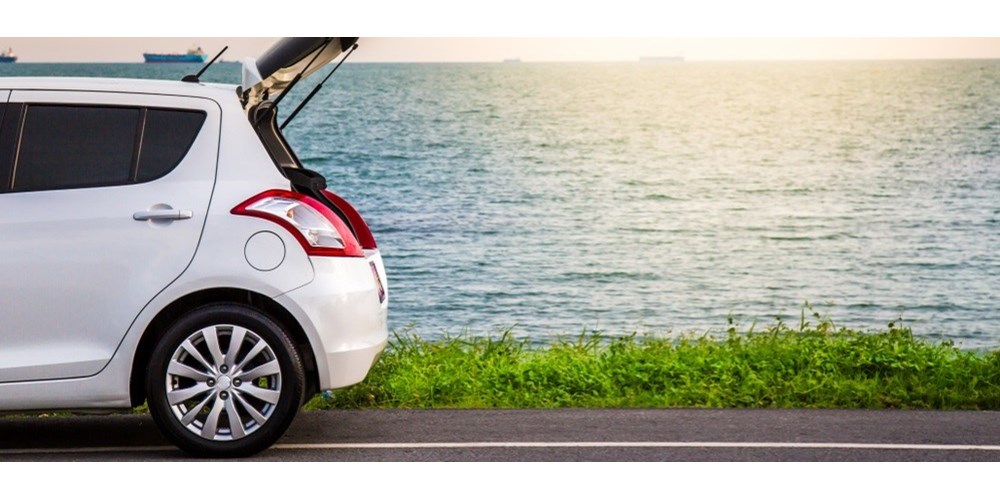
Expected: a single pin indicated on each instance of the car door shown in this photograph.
(103, 198)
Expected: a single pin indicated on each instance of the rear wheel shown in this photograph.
(224, 381)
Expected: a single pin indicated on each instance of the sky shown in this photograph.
(526, 49)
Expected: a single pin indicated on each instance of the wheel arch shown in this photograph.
(164, 318)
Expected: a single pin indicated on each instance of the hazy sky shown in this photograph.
(527, 49)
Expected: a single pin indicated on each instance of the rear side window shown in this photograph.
(167, 137)
(65, 147)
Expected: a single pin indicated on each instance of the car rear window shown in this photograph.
(66, 146)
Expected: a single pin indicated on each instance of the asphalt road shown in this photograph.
(545, 435)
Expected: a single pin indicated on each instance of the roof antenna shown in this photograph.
(194, 78)
(316, 89)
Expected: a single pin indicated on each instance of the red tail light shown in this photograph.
(361, 228)
(316, 227)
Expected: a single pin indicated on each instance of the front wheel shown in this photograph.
(224, 381)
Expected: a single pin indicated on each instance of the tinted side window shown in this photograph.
(75, 146)
(167, 137)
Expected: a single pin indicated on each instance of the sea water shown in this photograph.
(566, 197)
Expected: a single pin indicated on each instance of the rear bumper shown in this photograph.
(343, 317)
(351, 367)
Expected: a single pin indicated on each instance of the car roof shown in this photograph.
(213, 91)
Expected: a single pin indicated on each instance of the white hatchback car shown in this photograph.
(161, 242)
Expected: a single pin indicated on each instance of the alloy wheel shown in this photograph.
(223, 382)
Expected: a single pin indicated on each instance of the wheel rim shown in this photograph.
(223, 382)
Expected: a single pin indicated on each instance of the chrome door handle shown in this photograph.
(163, 214)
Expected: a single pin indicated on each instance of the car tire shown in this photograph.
(215, 402)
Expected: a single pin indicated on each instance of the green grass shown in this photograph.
(810, 366)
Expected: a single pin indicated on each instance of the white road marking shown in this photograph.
(539, 444)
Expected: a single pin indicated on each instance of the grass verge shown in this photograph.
(819, 366)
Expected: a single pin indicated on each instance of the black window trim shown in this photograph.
(9, 132)
(5, 154)
(24, 108)
(133, 174)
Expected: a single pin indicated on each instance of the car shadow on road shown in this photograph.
(72, 432)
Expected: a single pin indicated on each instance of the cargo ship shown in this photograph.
(8, 56)
(194, 55)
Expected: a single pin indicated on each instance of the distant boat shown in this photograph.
(661, 59)
(194, 55)
(514, 60)
(8, 56)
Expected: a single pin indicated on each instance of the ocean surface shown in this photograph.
(664, 198)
